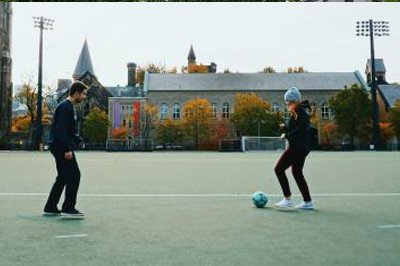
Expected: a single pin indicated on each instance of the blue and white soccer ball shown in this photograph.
(260, 199)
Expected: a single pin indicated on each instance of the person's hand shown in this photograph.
(68, 155)
(283, 136)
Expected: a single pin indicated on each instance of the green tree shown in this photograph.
(170, 131)
(253, 116)
(394, 119)
(351, 109)
(96, 125)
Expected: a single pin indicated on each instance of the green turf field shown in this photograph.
(195, 209)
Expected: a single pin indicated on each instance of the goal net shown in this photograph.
(250, 143)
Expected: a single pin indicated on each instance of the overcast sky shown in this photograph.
(244, 37)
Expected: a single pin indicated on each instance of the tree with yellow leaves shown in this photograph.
(151, 112)
(253, 116)
(197, 118)
(394, 119)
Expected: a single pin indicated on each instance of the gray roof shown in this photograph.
(253, 81)
(84, 63)
(391, 93)
(379, 65)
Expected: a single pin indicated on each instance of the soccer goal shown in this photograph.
(251, 143)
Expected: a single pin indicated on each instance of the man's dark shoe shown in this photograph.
(74, 213)
(51, 212)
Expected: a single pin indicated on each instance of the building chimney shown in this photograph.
(131, 74)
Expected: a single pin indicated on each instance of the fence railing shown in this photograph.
(129, 145)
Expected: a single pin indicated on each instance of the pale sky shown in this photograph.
(244, 37)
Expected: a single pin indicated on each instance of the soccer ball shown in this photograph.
(260, 199)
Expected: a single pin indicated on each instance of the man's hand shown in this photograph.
(68, 155)
(283, 136)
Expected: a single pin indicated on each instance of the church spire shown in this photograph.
(84, 63)
(191, 57)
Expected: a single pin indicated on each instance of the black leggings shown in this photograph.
(68, 176)
(295, 159)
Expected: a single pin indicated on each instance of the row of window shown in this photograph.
(176, 110)
(127, 109)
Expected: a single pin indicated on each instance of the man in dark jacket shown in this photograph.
(63, 138)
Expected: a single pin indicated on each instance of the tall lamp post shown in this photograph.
(370, 28)
(43, 24)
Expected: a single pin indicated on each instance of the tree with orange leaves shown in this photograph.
(198, 68)
(387, 132)
(119, 133)
(394, 118)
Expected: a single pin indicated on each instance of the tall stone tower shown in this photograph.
(191, 56)
(5, 68)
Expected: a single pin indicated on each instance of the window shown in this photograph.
(313, 106)
(176, 111)
(275, 107)
(325, 111)
(286, 114)
(225, 110)
(215, 110)
(164, 111)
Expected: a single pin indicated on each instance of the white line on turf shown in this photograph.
(72, 236)
(210, 195)
(389, 226)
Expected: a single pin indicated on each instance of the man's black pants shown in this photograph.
(295, 159)
(68, 176)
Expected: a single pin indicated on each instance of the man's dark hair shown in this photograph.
(77, 86)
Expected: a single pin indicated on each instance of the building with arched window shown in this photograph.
(169, 92)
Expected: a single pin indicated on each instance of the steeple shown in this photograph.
(84, 63)
(191, 57)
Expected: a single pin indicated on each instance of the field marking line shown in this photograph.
(71, 236)
(21, 194)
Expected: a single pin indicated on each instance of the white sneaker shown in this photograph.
(309, 205)
(284, 203)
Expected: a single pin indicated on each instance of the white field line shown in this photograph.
(72, 236)
(389, 226)
(15, 194)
